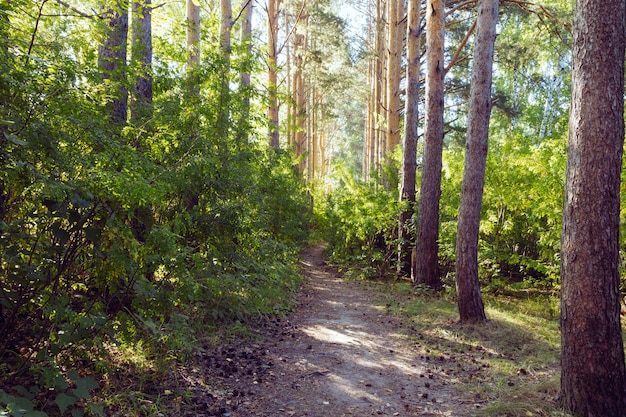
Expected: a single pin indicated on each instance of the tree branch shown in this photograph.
(75, 10)
(455, 57)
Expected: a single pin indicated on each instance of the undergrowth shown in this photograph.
(508, 366)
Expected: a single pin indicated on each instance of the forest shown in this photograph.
(164, 164)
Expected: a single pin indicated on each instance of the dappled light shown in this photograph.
(294, 208)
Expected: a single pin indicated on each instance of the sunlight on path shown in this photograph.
(346, 358)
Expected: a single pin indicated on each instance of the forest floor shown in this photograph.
(340, 353)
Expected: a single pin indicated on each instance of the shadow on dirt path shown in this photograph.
(336, 355)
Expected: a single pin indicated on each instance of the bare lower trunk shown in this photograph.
(426, 268)
(407, 186)
(468, 289)
(593, 376)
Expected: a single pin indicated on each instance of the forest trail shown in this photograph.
(336, 355)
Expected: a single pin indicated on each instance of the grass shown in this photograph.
(508, 366)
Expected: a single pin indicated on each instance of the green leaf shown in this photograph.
(96, 409)
(64, 401)
(61, 235)
(93, 234)
(60, 383)
(74, 216)
(23, 392)
(83, 385)
(13, 139)
(20, 406)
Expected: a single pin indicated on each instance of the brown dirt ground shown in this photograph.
(337, 354)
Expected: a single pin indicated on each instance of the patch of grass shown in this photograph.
(508, 366)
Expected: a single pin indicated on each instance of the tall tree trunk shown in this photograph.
(300, 99)
(411, 121)
(193, 44)
(112, 60)
(245, 77)
(225, 44)
(367, 129)
(273, 7)
(141, 40)
(469, 299)
(4, 51)
(381, 96)
(593, 376)
(394, 47)
(225, 27)
(426, 265)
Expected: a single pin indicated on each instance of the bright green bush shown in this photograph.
(135, 234)
(359, 222)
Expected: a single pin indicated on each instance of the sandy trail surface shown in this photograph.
(338, 355)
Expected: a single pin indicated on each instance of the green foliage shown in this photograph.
(142, 234)
(358, 220)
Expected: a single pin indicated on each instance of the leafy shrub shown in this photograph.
(359, 221)
(128, 235)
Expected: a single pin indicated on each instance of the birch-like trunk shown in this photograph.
(193, 44)
(272, 71)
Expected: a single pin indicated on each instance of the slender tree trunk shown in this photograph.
(112, 60)
(301, 102)
(245, 77)
(593, 376)
(411, 121)
(193, 44)
(394, 47)
(426, 266)
(246, 40)
(367, 129)
(272, 39)
(225, 27)
(381, 71)
(468, 289)
(141, 40)
(225, 44)
(4, 51)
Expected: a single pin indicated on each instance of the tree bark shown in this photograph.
(426, 267)
(394, 47)
(272, 75)
(246, 39)
(593, 376)
(469, 299)
(245, 77)
(409, 153)
(225, 27)
(141, 40)
(300, 99)
(112, 60)
(223, 116)
(193, 44)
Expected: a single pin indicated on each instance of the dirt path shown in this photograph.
(337, 355)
